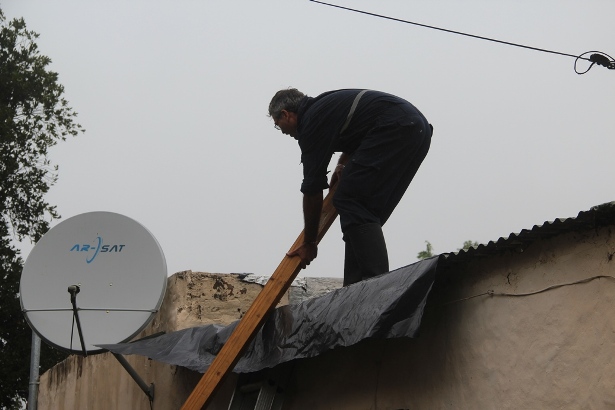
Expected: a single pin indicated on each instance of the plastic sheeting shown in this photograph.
(388, 306)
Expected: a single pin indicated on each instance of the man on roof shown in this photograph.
(383, 140)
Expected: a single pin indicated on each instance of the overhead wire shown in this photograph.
(596, 58)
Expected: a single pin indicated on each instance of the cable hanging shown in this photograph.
(491, 292)
(597, 57)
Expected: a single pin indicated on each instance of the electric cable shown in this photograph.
(492, 293)
(597, 58)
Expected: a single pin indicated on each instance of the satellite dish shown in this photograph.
(95, 278)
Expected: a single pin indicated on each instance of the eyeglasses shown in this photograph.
(275, 121)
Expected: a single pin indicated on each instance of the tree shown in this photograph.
(427, 253)
(34, 116)
(468, 244)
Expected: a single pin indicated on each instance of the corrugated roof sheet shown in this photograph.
(595, 217)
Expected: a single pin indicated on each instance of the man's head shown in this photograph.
(283, 109)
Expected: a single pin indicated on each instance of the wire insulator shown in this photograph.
(598, 57)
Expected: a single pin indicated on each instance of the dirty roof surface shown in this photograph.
(595, 217)
(388, 306)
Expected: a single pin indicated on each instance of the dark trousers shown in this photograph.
(371, 186)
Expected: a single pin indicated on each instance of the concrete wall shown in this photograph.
(549, 350)
(99, 382)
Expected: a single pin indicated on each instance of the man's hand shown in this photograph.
(337, 174)
(307, 252)
(339, 168)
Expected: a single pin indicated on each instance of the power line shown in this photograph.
(596, 58)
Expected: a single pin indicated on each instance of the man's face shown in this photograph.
(287, 123)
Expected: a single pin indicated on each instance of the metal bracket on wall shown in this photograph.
(148, 390)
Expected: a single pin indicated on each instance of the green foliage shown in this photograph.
(468, 244)
(427, 253)
(33, 117)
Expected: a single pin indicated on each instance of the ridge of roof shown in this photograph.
(596, 217)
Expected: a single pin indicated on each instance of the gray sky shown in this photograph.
(174, 96)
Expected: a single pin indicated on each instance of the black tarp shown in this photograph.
(388, 306)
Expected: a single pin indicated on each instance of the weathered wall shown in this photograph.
(549, 350)
(99, 382)
(545, 350)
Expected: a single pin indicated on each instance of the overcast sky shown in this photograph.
(174, 94)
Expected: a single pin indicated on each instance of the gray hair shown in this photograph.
(288, 100)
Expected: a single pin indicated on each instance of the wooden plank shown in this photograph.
(254, 318)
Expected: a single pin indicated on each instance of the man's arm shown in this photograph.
(312, 207)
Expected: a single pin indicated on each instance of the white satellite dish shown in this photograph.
(95, 278)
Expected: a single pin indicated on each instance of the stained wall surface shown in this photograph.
(518, 330)
(551, 346)
(99, 382)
